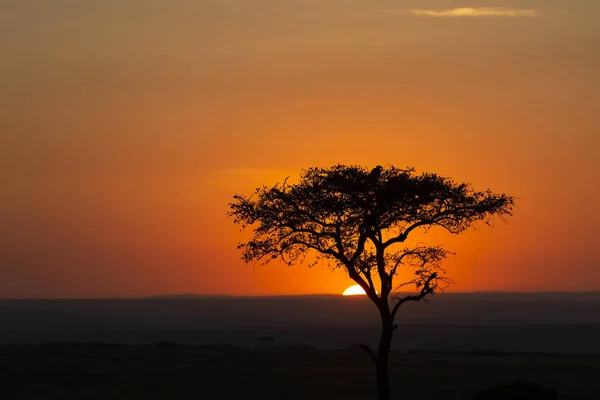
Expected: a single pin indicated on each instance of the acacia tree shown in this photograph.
(358, 220)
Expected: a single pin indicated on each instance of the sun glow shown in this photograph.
(355, 290)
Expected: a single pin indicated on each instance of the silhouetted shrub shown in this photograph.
(167, 345)
(267, 340)
(517, 391)
(302, 347)
(224, 346)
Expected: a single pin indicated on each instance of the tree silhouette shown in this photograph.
(357, 219)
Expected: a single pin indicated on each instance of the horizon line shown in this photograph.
(195, 295)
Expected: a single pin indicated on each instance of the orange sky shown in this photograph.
(127, 125)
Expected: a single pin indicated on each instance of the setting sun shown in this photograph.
(355, 290)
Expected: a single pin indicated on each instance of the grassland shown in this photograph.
(102, 371)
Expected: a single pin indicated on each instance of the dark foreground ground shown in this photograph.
(96, 371)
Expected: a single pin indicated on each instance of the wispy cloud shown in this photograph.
(474, 12)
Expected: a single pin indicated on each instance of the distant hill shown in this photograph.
(553, 322)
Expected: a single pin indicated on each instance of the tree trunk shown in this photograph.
(383, 355)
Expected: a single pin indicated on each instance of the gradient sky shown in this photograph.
(127, 125)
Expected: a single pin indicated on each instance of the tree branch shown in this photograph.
(367, 273)
(402, 237)
(370, 352)
(426, 290)
(386, 280)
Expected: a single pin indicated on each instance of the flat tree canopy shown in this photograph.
(352, 217)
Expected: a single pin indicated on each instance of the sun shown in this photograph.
(355, 290)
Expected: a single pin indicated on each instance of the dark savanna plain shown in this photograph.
(296, 347)
(127, 126)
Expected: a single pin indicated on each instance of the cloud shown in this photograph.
(474, 12)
